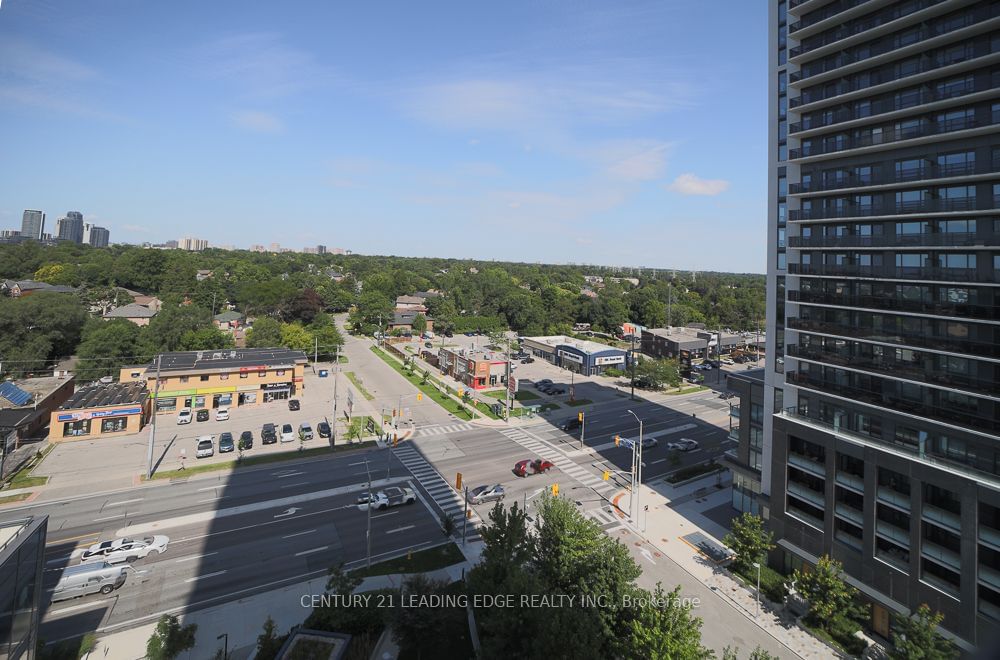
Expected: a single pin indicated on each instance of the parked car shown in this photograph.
(484, 494)
(557, 390)
(246, 441)
(684, 444)
(125, 549)
(206, 447)
(393, 496)
(202, 415)
(226, 443)
(287, 433)
(293, 404)
(542, 382)
(184, 416)
(532, 466)
(305, 431)
(427, 344)
(449, 333)
(268, 434)
(727, 361)
(222, 414)
(727, 395)
(470, 334)
(323, 429)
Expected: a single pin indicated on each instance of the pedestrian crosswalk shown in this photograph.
(604, 517)
(441, 429)
(444, 496)
(543, 450)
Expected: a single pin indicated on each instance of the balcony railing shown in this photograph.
(895, 369)
(823, 13)
(734, 412)
(807, 494)
(813, 68)
(985, 312)
(889, 135)
(896, 499)
(893, 533)
(734, 433)
(931, 273)
(989, 576)
(876, 394)
(911, 175)
(989, 536)
(814, 468)
(881, 18)
(953, 239)
(941, 555)
(983, 348)
(850, 481)
(850, 514)
(942, 517)
(901, 208)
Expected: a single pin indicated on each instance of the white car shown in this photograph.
(184, 416)
(206, 447)
(222, 415)
(125, 549)
(393, 496)
(684, 444)
(287, 434)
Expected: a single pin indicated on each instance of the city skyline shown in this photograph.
(549, 134)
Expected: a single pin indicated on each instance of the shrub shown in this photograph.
(614, 373)
(842, 631)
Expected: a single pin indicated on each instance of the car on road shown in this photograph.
(125, 549)
(323, 429)
(449, 333)
(88, 578)
(527, 360)
(649, 443)
(293, 404)
(206, 447)
(222, 414)
(532, 466)
(727, 361)
(287, 434)
(571, 424)
(246, 441)
(556, 390)
(305, 431)
(727, 395)
(184, 416)
(226, 443)
(483, 494)
(684, 444)
(393, 496)
(202, 415)
(427, 344)
(268, 435)
(543, 382)
(470, 334)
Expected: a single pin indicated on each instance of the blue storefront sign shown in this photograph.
(117, 412)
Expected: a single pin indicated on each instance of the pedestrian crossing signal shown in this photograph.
(606, 475)
(393, 412)
(395, 439)
(579, 417)
(618, 441)
(458, 481)
(555, 490)
(420, 396)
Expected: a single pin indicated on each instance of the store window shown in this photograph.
(280, 372)
(184, 379)
(199, 401)
(114, 424)
(223, 376)
(166, 405)
(204, 378)
(244, 374)
(77, 428)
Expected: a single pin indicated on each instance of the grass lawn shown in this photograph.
(422, 561)
(351, 376)
(484, 409)
(23, 479)
(579, 402)
(249, 461)
(427, 388)
(20, 497)
(343, 359)
(522, 395)
(687, 390)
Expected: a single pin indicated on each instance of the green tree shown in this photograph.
(106, 347)
(265, 333)
(656, 374)
(664, 628)
(170, 639)
(749, 540)
(305, 306)
(326, 334)
(205, 339)
(269, 641)
(38, 329)
(58, 274)
(826, 591)
(916, 637)
(421, 630)
(757, 654)
(166, 330)
(296, 337)
(419, 323)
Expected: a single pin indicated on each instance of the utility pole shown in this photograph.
(152, 431)
(583, 427)
(507, 397)
(213, 304)
(632, 359)
(315, 350)
(637, 467)
(670, 295)
(368, 534)
(465, 523)
(333, 427)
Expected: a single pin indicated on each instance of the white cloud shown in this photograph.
(633, 160)
(689, 184)
(259, 122)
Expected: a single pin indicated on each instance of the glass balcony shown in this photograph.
(989, 576)
(939, 516)
(814, 468)
(985, 312)
(896, 272)
(734, 412)
(823, 13)
(955, 239)
(807, 494)
(986, 608)
(898, 500)
(804, 515)
(893, 533)
(876, 210)
(734, 433)
(942, 555)
(850, 514)
(984, 348)
(891, 134)
(990, 537)
(851, 481)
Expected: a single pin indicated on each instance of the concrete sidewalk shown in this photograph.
(243, 620)
(675, 513)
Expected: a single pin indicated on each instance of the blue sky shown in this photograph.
(619, 133)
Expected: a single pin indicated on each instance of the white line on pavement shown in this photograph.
(107, 518)
(193, 557)
(300, 483)
(309, 552)
(290, 474)
(200, 490)
(400, 529)
(299, 534)
(383, 515)
(138, 499)
(82, 606)
(212, 499)
(202, 577)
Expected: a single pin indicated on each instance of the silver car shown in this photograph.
(684, 444)
(484, 494)
(125, 549)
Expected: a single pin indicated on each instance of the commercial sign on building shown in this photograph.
(98, 414)
(610, 359)
(572, 357)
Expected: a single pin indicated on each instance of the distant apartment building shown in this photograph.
(171, 245)
(881, 438)
(275, 247)
(95, 236)
(192, 244)
(257, 248)
(32, 224)
(70, 227)
(10, 234)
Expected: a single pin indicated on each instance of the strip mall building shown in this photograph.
(210, 379)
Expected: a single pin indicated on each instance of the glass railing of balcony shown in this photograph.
(954, 239)
(984, 348)
(988, 609)
(893, 533)
(887, 15)
(979, 47)
(873, 394)
(851, 481)
(734, 433)
(891, 134)
(809, 465)
(941, 517)
(989, 576)
(898, 500)
(804, 515)
(895, 272)
(850, 514)
(823, 13)
(900, 208)
(940, 554)
(989, 536)
(807, 494)
(911, 175)
(848, 539)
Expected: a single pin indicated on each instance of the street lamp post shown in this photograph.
(225, 645)
(638, 485)
(757, 612)
(368, 534)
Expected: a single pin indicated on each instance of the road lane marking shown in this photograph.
(202, 577)
(193, 557)
(213, 499)
(309, 552)
(201, 490)
(301, 483)
(400, 529)
(659, 460)
(290, 474)
(107, 518)
(298, 534)
(82, 606)
(383, 515)
(139, 499)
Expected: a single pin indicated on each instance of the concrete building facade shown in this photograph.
(33, 224)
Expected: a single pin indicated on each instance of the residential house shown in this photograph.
(25, 405)
(138, 314)
(22, 288)
(228, 320)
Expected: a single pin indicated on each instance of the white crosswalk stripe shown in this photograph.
(559, 460)
(444, 496)
(441, 430)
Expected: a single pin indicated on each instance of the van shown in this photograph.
(87, 579)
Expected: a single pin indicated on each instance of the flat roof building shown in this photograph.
(100, 410)
(578, 355)
(476, 369)
(25, 405)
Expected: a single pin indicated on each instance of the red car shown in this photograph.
(536, 466)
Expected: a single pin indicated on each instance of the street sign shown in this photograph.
(512, 385)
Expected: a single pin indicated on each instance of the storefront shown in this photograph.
(277, 391)
(579, 356)
(101, 410)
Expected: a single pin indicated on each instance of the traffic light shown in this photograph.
(618, 441)
(606, 475)
(420, 396)
(458, 481)
(395, 439)
(555, 490)
(579, 416)
(393, 412)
